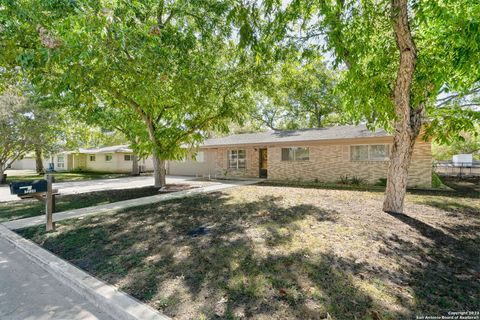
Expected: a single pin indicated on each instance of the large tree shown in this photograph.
(398, 58)
(299, 94)
(15, 117)
(170, 65)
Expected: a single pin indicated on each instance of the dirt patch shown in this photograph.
(284, 253)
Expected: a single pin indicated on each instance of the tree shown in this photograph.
(397, 58)
(170, 65)
(300, 94)
(14, 126)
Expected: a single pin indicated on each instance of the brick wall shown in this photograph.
(252, 163)
(328, 162)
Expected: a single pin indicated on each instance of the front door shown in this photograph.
(263, 163)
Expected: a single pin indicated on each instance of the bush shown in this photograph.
(354, 181)
(436, 181)
(382, 182)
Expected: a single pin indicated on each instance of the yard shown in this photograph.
(23, 175)
(26, 208)
(273, 252)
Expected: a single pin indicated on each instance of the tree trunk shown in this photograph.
(135, 168)
(39, 161)
(159, 171)
(406, 130)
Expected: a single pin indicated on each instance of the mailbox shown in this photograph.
(28, 187)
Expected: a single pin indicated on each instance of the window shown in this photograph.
(108, 157)
(374, 152)
(92, 157)
(200, 156)
(295, 154)
(127, 157)
(60, 162)
(236, 159)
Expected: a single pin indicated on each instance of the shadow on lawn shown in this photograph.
(242, 266)
(222, 273)
(441, 268)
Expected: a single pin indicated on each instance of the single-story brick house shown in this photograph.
(324, 154)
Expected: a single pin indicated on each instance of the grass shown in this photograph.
(31, 207)
(276, 252)
(68, 176)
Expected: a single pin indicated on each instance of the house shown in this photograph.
(115, 159)
(28, 162)
(324, 154)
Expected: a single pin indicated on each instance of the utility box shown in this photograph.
(462, 160)
(28, 187)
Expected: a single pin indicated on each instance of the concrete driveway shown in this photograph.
(104, 184)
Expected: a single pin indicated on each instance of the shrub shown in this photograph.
(357, 181)
(344, 180)
(436, 181)
(354, 181)
(382, 182)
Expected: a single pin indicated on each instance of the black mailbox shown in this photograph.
(28, 187)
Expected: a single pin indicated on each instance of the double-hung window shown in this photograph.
(295, 154)
(60, 161)
(237, 159)
(127, 157)
(108, 157)
(373, 152)
(92, 157)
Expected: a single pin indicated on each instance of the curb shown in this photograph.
(111, 300)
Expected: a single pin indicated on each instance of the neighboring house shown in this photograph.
(115, 159)
(325, 154)
(28, 162)
(108, 159)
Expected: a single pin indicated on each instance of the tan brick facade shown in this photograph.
(328, 162)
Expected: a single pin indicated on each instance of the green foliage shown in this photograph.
(436, 181)
(354, 180)
(15, 119)
(161, 72)
(299, 94)
(465, 143)
(382, 182)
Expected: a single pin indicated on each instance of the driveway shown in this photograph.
(29, 292)
(74, 187)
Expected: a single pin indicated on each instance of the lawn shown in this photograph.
(272, 252)
(26, 208)
(66, 176)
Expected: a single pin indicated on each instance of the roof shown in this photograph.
(111, 149)
(330, 133)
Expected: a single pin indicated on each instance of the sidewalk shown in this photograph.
(29, 292)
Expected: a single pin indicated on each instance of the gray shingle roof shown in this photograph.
(111, 149)
(330, 133)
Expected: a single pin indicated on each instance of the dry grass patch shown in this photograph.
(267, 252)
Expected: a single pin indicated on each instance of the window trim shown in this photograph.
(294, 154)
(237, 167)
(127, 155)
(90, 156)
(368, 152)
(202, 160)
(111, 157)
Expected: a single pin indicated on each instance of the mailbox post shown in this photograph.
(41, 190)
(49, 205)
